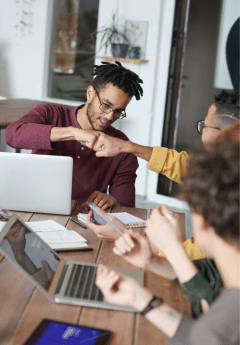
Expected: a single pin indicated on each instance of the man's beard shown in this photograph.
(89, 112)
(89, 116)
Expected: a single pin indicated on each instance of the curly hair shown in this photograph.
(123, 78)
(210, 185)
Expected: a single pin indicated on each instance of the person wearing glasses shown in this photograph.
(222, 113)
(210, 185)
(53, 129)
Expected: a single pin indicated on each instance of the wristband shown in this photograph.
(155, 302)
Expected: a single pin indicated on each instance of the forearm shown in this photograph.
(163, 317)
(143, 152)
(183, 266)
(62, 133)
(26, 263)
(161, 267)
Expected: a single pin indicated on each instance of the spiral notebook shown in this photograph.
(128, 219)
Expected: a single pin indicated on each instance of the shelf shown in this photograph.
(121, 59)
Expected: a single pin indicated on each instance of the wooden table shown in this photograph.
(23, 306)
(12, 109)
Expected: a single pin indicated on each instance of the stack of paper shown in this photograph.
(57, 236)
(128, 219)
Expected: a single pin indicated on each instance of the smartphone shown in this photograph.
(100, 218)
(51, 332)
(97, 217)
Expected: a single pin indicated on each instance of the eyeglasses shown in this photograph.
(117, 114)
(200, 125)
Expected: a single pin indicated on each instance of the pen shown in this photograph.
(88, 249)
(110, 210)
(114, 226)
(77, 222)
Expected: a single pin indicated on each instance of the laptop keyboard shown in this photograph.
(82, 283)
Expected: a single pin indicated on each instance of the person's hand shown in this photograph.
(107, 146)
(102, 200)
(204, 305)
(47, 269)
(86, 137)
(134, 248)
(163, 229)
(122, 290)
(16, 239)
(106, 232)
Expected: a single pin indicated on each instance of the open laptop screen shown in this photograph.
(31, 253)
(36, 183)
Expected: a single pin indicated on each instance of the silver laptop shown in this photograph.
(70, 282)
(35, 183)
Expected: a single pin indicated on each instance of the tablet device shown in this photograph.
(51, 332)
(100, 219)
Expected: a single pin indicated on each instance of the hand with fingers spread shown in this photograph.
(122, 290)
(106, 232)
(102, 200)
(163, 229)
(134, 248)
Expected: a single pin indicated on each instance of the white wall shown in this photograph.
(230, 13)
(25, 59)
(145, 117)
(23, 52)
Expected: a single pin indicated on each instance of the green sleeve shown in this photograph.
(206, 284)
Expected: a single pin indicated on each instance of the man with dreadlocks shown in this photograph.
(53, 129)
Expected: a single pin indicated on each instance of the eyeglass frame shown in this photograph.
(122, 115)
(204, 126)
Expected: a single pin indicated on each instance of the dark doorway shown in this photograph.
(197, 82)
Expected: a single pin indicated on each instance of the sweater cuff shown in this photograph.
(197, 286)
(157, 160)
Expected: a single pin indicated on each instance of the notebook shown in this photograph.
(35, 183)
(128, 219)
(70, 282)
(57, 236)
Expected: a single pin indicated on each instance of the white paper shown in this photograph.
(68, 245)
(46, 225)
(2, 224)
(128, 219)
(82, 217)
(61, 237)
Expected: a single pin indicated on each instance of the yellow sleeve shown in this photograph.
(168, 162)
(191, 249)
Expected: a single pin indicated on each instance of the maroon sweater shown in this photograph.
(90, 173)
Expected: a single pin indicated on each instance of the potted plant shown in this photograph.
(113, 36)
(134, 52)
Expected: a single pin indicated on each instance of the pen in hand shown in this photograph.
(79, 223)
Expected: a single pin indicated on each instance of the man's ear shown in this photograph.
(90, 93)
